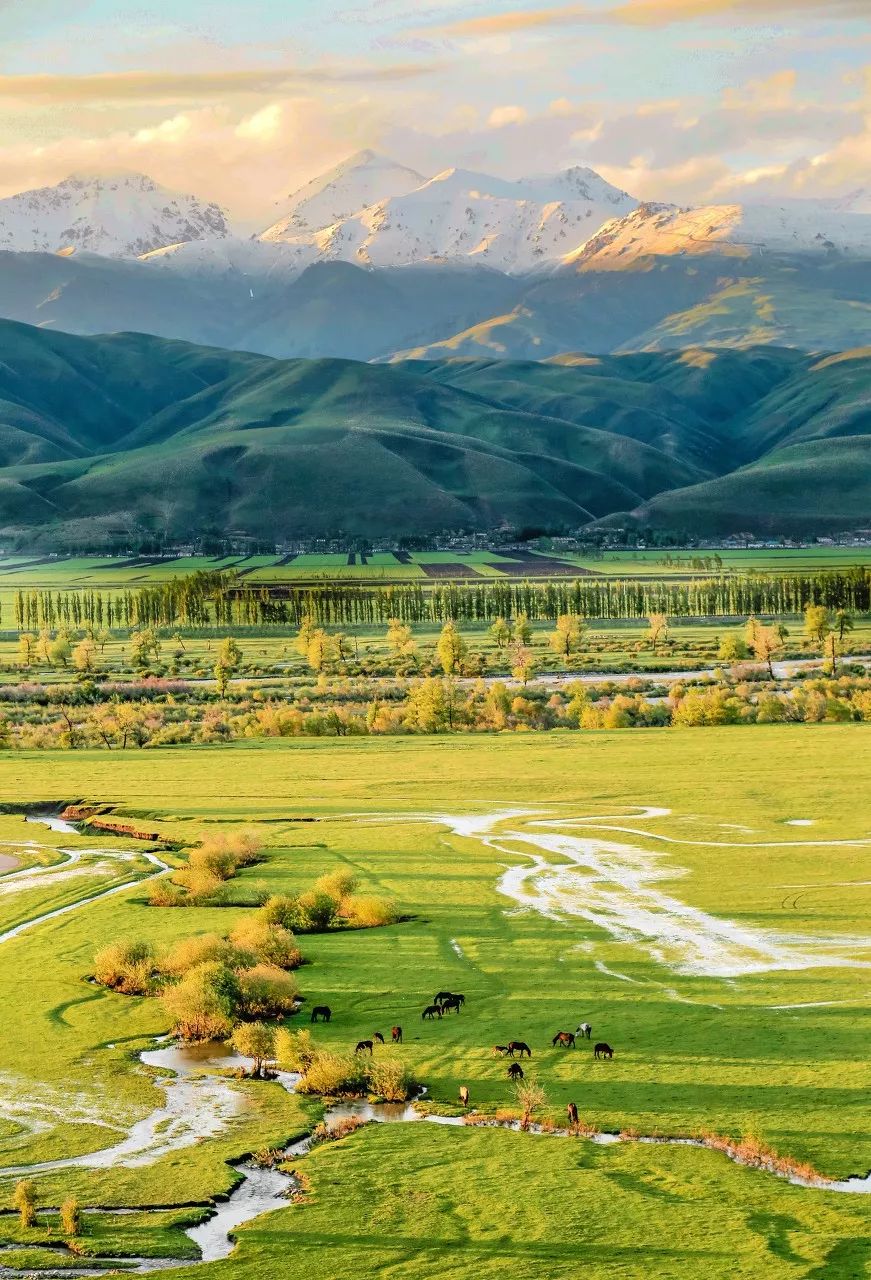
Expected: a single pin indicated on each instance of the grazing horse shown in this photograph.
(519, 1046)
(322, 1011)
(565, 1039)
(431, 1011)
(603, 1051)
(464, 1094)
(572, 1113)
(378, 1036)
(363, 1045)
(452, 1002)
(441, 996)
(515, 1071)
(584, 1030)
(396, 1035)
(501, 1049)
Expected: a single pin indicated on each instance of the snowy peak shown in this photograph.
(118, 215)
(738, 230)
(458, 216)
(362, 180)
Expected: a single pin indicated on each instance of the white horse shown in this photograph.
(584, 1030)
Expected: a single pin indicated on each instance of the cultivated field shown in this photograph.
(701, 899)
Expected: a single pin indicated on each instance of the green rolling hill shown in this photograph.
(110, 438)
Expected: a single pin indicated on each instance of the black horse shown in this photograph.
(452, 1002)
(378, 1036)
(519, 1046)
(322, 1011)
(603, 1050)
(431, 1011)
(363, 1045)
(515, 1071)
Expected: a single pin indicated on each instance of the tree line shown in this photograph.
(206, 599)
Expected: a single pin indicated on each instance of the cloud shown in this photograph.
(501, 116)
(659, 13)
(166, 87)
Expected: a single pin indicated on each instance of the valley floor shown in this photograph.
(702, 899)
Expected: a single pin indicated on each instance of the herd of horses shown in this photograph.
(444, 1002)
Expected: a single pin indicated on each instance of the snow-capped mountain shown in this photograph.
(791, 226)
(361, 180)
(117, 215)
(460, 216)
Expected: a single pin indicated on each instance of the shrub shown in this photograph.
(391, 1080)
(187, 953)
(331, 1073)
(366, 911)
(166, 894)
(205, 1003)
(266, 992)
(317, 911)
(254, 1040)
(270, 943)
(336, 884)
(70, 1217)
(24, 1200)
(280, 909)
(332, 1133)
(125, 966)
(294, 1049)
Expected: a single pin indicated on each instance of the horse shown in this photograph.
(430, 1011)
(603, 1051)
(584, 1030)
(501, 1049)
(441, 996)
(363, 1045)
(452, 1002)
(396, 1035)
(519, 1046)
(563, 1038)
(322, 1011)
(515, 1071)
(464, 1095)
(572, 1113)
(378, 1036)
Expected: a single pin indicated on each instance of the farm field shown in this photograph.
(113, 574)
(701, 899)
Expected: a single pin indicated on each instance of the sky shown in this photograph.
(689, 101)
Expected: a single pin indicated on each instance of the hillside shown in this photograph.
(103, 438)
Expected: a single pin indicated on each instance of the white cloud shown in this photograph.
(499, 117)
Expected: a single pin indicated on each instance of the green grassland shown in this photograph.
(692, 1052)
(128, 436)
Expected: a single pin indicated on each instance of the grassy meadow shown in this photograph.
(776, 1055)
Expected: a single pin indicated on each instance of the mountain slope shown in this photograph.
(107, 439)
(118, 215)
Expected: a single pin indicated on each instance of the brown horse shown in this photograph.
(515, 1071)
(572, 1113)
(363, 1045)
(501, 1049)
(322, 1011)
(431, 1011)
(519, 1046)
(603, 1050)
(396, 1035)
(378, 1036)
(464, 1094)
(565, 1039)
